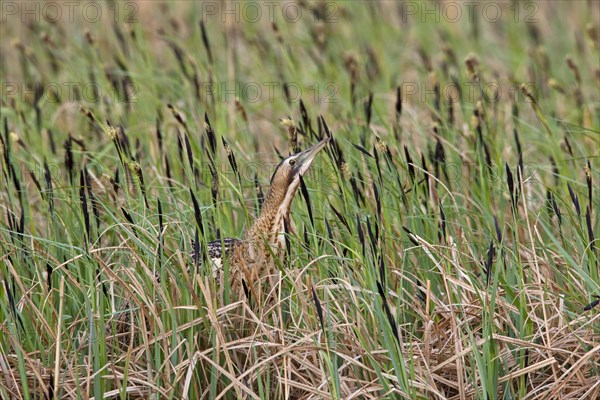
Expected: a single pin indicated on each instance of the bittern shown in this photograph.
(252, 257)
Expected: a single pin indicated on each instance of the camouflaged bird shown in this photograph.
(252, 257)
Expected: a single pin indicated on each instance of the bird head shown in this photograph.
(284, 183)
(286, 178)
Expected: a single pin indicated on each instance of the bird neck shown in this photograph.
(274, 214)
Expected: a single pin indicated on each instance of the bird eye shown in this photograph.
(292, 162)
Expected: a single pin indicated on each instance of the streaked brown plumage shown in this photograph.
(252, 257)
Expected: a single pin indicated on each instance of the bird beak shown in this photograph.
(305, 158)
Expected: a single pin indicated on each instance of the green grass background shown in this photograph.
(421, 273)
